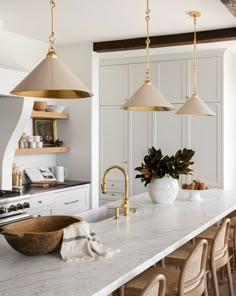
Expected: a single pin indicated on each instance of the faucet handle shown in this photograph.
(102, 188)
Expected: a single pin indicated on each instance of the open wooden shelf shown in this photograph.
(53, 115)
(44, 150)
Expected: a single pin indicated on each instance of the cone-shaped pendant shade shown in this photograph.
(147, 98)
(195, 106)
(52, 79)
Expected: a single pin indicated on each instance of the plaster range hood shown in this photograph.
(15, 113)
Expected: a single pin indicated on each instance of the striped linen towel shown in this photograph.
(80, 242)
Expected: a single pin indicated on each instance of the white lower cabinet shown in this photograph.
(69, 201)
(72, 201)
(42, 204)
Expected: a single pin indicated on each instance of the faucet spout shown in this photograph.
(125, 201)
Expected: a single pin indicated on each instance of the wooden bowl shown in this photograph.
(37, 236)
(40, 105)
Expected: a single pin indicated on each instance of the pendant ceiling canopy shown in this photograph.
(147, 97)
(195, 106)
(51, 78)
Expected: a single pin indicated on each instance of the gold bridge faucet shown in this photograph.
(125, 201)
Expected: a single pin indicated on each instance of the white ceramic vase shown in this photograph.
(163, 190)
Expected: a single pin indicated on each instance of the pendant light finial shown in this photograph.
(195, 106)
(147, 97)
(51, 78)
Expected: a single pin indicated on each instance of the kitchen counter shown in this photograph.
(143, 238)
(28, 189)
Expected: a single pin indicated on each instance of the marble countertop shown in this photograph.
(143, 238)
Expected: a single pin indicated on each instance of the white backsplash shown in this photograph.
(36, 160)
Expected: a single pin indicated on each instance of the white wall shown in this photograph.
(81, 131)
(20, 53)
(18, 56)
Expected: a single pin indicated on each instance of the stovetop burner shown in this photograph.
(8, 193)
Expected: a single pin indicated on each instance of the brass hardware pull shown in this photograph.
(71, 202)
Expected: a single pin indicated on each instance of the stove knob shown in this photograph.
(26, 205)
(3, 210)
(12, 208)
(19, 206)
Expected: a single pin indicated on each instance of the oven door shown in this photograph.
(14, 218)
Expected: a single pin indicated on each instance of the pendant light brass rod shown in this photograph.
(52, 36)
(195, 55)
(147, 18)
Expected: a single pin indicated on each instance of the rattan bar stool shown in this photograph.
(154, 287)
(190, 281)
(218, 255)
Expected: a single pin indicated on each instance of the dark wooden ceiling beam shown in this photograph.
(231, 5)
(218, 35)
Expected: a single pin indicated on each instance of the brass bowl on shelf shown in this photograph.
(37, 236)
(40, 105)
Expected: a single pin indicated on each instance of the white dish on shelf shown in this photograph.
(56, 108)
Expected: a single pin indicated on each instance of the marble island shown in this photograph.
(144, 238)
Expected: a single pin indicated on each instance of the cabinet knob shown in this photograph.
(126, 161)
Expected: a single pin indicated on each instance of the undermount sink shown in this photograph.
(98, 214)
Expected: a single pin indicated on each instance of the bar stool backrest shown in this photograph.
(156, 287)
(219, 251)
(193, 276)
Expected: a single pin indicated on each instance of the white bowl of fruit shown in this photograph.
(194, 188)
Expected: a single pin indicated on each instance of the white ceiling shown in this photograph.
(101, 20)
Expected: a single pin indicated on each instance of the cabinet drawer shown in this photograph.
(71, 202)
(43, 211)
(38, 201)
(115, 186)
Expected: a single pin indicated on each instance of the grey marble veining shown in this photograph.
(143, 238)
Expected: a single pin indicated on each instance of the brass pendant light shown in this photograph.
(147, 97)
(51, 78)
(195, 106)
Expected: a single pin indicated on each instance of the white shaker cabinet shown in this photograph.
(171, 80)
(125, 137)
(113, 85)
(209, 78)
(205, 137)
(42, 204)
(72, 201)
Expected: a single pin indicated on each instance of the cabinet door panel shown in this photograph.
(169, 133)
(113, 85)
(72, 201)
(171, 80)
(205, 140)
(140, 141)
(113, 140)
(209, 79)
